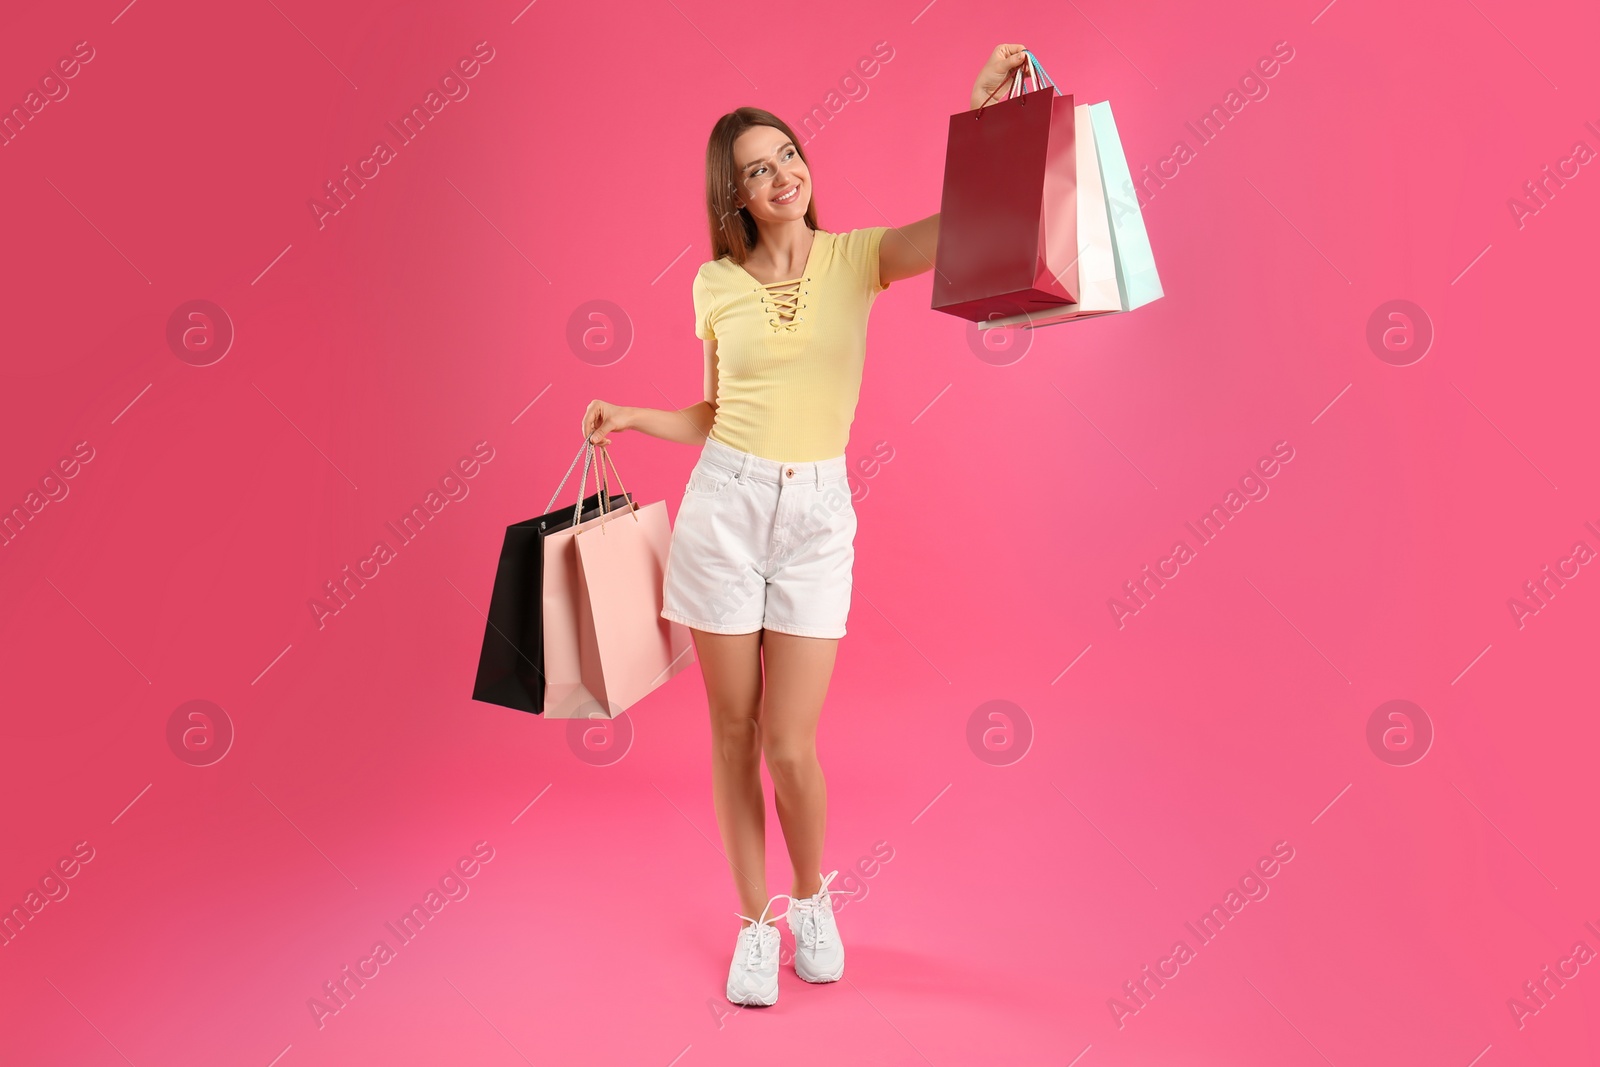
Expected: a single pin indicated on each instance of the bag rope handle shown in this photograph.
(1033, 59)
(557, 495)
(1034, 69)
(633, 507)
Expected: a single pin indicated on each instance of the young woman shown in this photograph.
(763, 547)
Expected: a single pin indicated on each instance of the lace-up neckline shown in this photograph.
(785, 302)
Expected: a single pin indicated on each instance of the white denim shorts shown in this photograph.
(760, 544)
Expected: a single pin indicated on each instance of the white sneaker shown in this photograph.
(753, 975)
(818, 952)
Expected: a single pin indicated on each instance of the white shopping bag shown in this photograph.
(1116, 268)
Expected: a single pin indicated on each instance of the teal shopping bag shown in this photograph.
(1136, 264)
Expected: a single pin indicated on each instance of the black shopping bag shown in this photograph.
(511, 664)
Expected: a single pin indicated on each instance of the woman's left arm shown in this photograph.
(907, 251)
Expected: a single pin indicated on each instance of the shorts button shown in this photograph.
(789, 473)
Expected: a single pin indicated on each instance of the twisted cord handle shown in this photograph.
(605, 509)
(582, 453)
(1035, 71)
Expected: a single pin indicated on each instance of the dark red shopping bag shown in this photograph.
(1008, 219)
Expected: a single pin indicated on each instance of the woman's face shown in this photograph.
(772, 179)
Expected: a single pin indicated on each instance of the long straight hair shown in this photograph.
(733, 230)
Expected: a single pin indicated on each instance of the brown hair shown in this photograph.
(733, 230)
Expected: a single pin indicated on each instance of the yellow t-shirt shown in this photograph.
(790, 355)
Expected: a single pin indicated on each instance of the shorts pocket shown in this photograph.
(707, 480)
(837, 488)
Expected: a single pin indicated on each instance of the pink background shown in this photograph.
(435, 311)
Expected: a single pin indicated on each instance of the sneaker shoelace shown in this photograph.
(811, 932)
(762, 936)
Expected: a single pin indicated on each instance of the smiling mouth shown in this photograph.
(788, 198)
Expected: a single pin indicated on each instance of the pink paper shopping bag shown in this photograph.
(626, 649)
(562, 612)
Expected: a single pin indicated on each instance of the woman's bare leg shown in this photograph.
(731, 666)
(798, 671)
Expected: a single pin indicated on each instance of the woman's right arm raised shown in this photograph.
(689, 426)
